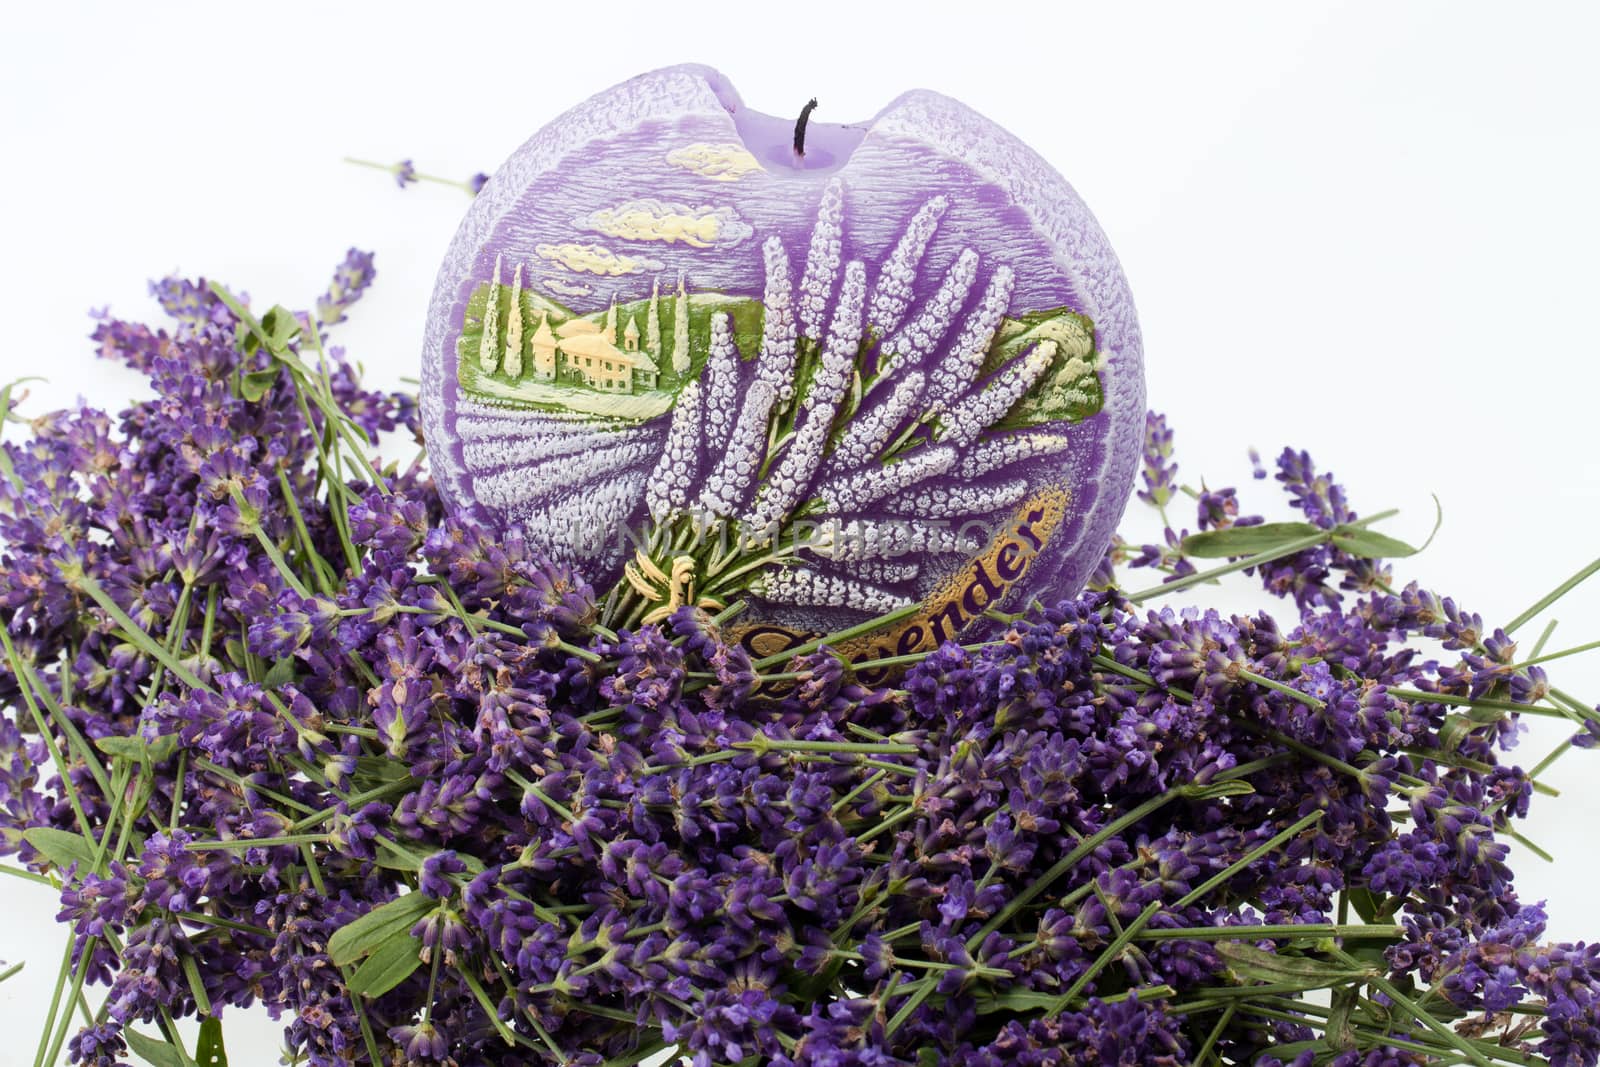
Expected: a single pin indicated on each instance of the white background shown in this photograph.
(1368, 230)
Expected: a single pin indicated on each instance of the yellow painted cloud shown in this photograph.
(561, 288)
(719, 162)
(595, 259)
(652, 220)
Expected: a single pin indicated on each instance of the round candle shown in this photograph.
(833, 371)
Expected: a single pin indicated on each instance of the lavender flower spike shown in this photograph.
(885, 539)
(668, 488)
(855, 491)
(721, 377)
(956, 372)
(992, 453)
(793, 475)
(871, 429)
(805, 587)
(958, 500)
(350, 279)
(924, 333)
(885, 571)
(776, 363)
(729, 484)
(892, 295)
(844, 341)
(979, 411)
(822, 261)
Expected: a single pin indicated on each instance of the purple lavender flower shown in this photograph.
(313, 698)
(1160, 473)
(350, 279)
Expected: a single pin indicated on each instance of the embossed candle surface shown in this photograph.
(901, 370)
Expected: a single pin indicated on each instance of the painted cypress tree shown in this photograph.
(513, 360)
(680, 332)
(652, 326)
(489, 345)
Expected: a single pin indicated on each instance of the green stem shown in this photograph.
(1278, 687)
(1454, 1039)
(136, 634)
(839, 638)
(1537, 659)
(1345, 931)
(89, 946)
(394, 168)
(1216, 1033)
(1122, 940)
(31, 685)
(1554, 595)
(258, 842)
(1094, 841)
(1288, 548)
(761, 743)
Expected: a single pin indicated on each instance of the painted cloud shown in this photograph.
(652, 220)
(596, 259)
(719, 162)
(561, 288)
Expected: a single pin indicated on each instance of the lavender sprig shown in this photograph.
(405, 173)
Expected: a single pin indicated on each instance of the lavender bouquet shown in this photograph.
(277, 729)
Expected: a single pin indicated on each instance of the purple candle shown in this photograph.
(898, 369)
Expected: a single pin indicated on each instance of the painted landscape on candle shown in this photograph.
(849, 443)
(901, 373)
(538, 354)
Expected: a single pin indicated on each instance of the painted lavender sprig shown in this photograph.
(667, 490)
(721, 378)
(954, 374)
(785, 485)
(731, 480)
(893, 292)
(775, 366)
(822, 262)
(839, 417)
(852, 492)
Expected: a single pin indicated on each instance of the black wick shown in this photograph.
(800, 127)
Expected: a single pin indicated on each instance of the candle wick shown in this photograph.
(800, 127)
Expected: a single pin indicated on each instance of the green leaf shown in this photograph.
(1292, 1049)
(1339, 1033)
(1371, 953)
(1368, 905)
(208, 1050)
(1251, 964)
(1456, 729)
(155, 1051)
(137, 748)
(396, 857)
(281, 674)
(1369, 544)
(280, 326)
(363, 936)
(1246, 540)
(389, 965)
(252, 387)
(393, 857)
(61, 847)
(1217, 790)
(380, 769)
